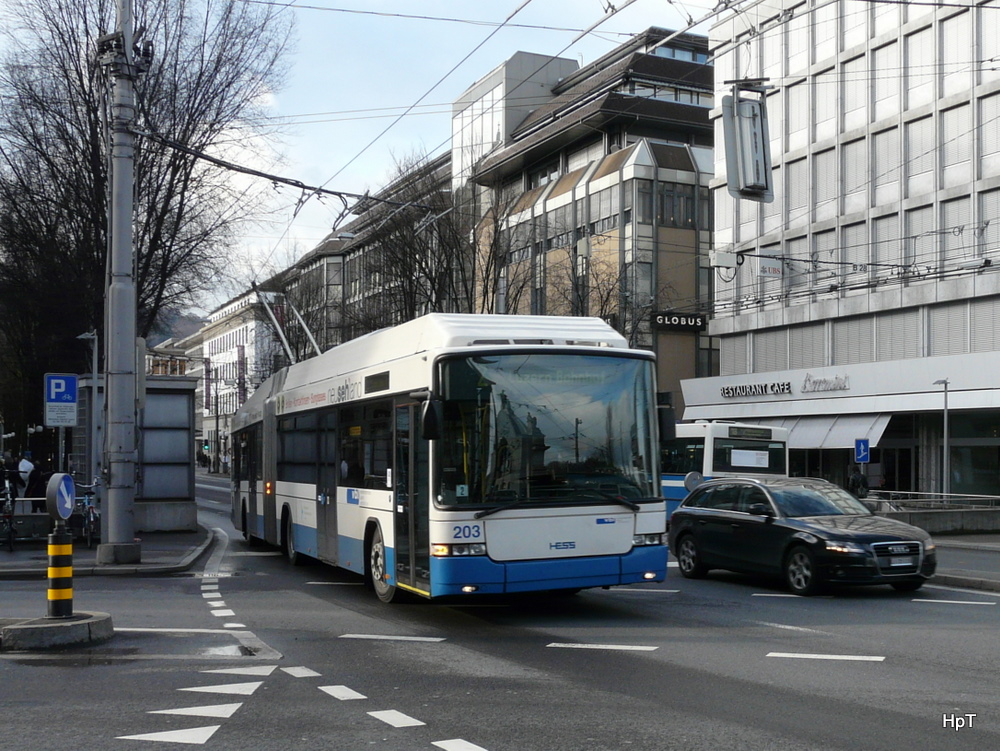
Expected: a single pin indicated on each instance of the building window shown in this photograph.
(920, 156)
(604, 210)
(676, 205)
(798, 116)
(825, 99)
(920, 68)
(856, 92)
(885, 73)
(885, 146)
(644, 202)
(956, 70)
(956, 146)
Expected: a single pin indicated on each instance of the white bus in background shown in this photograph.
(719, 448)
(460, 454)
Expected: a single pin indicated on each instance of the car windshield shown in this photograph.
(800, 500)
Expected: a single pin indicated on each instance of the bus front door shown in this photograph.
(410, 493)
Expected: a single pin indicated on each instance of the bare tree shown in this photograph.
(211, 65)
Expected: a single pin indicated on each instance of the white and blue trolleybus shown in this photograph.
(704, 450)
(459, 454)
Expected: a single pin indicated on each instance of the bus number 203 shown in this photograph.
(466, 532)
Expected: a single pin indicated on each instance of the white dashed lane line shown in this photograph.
(806, 656)
(612, 647)
(343, 693)
(792, 628)
(383, 637)
(955, 602)
(396, 719)
(457, 744)
(301, 672)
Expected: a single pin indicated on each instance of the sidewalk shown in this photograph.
(160, 553)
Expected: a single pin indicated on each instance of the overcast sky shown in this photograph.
(359, 64)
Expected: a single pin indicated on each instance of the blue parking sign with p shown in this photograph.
(60, 400)
(60, 388)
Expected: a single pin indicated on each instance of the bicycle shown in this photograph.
(90, 527)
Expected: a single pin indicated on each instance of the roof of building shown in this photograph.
(590, 100)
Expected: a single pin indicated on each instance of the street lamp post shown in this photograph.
(946, 449)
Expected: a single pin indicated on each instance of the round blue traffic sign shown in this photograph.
(60, 495)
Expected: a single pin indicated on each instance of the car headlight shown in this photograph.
(843, 546)
(929, 546)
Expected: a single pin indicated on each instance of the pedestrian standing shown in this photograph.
(24, 468)
(857, 485)
(36, 487)
(11, 477)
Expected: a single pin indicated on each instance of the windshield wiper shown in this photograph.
(631, 505)
(615, 498)
(504, 507)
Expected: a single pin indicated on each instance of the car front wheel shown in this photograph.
(689, 559)
(800, 572)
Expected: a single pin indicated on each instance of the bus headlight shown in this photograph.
(642, 540)
(460, 549)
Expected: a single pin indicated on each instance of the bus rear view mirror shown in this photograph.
(431, 416)
(668, 423)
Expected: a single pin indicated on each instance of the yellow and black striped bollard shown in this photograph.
(60, 573)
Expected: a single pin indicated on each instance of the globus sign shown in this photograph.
(671, 321)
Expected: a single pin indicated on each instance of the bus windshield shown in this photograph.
(551, 428)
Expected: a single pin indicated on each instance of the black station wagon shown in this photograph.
(807, 530)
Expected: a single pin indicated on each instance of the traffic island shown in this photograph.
(30, 634)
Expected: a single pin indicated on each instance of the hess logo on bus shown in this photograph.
(566, 545)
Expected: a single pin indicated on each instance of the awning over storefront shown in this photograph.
(828, 431)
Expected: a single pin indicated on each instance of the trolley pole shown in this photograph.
(118, 54)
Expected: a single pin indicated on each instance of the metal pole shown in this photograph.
(946, 463)
(945, 448)
(216, 462)
(120, 333)
(92, 464)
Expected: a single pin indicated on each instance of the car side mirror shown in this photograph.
(761, 509)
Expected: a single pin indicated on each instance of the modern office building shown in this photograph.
(865, 303)
(591, 185)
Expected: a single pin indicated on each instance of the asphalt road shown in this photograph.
(312, 660)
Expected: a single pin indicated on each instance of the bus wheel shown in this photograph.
(377, 568)
(288, 541)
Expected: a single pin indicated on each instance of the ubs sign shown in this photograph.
(669, 321)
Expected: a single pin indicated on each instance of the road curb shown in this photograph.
(49, 633)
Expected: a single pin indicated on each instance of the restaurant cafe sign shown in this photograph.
(810, 385)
